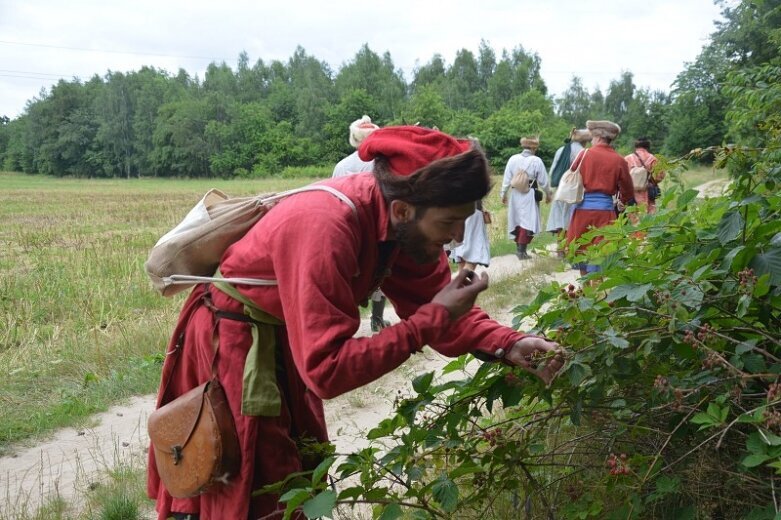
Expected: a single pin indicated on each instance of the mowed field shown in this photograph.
(80, 326)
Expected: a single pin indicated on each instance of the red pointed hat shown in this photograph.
(410, 148)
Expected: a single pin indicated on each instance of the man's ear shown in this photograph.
(401, 211)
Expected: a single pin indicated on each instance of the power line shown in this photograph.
(2, 71)
(83, 49)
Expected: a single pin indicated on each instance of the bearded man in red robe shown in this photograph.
(327, 257)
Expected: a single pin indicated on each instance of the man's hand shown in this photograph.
(538, 356)
(548, 197)
(504, 199)
(459, 295)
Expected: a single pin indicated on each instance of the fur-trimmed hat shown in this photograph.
(581, 135)
(603, 129)
(410, 148)
(530, 142)
(360, 130)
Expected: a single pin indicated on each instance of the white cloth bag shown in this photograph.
(570, 188)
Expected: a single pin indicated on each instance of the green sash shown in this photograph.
(259, 393)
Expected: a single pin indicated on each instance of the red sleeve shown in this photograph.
(412, 285)
(314, 274)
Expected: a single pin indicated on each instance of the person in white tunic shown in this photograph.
(561, 212)
(523, 209)
(360, 130)
(475, 249)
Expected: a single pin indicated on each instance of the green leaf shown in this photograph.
(446, 493)
(391, 512)
(754, 363)
(457, 364)
(666, 485)
(771, 438)
(466, 468)
(718, 413)
(755, 418)
(686, 197)
(614, 339)
(321, 470)
(743, 305)
(745, 346)
(768, 262)
(351, 492)
(730, 257)
(578, 372)
(293, 499)
(422, 383)
(755, 459)
(689, 295)
(631, 292)
(730, 227)
(321, 505)
(706, 420)
(762, 287)
(756, 444)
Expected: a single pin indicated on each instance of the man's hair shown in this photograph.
(602, 134)
(446, 182)
(643, 142)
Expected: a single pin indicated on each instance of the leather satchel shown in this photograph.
(195, 442)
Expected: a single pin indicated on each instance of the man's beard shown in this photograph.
(413, 243)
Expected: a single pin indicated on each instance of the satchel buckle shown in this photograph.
(176, 451)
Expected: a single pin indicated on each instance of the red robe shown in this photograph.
(603, 171)
(326, 264)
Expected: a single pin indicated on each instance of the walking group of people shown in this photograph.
(610, 183)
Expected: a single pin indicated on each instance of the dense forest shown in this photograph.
(267, 118)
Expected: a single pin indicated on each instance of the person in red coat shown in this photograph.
(424, 185)
(605, 174)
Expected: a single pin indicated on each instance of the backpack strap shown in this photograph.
(650, 177)
(189, 279)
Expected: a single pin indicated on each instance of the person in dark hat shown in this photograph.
(423, 186)
(605, 175)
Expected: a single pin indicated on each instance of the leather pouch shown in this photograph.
(195, 441)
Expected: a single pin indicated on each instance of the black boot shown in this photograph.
(377, 321)
(521, 252)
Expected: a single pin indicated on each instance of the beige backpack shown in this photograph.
(520, 181)
(640, 175)
(191, 252)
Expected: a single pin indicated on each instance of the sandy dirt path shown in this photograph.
(73, 461)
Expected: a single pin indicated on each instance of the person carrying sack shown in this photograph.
(561, 212)
(642, 158)
(523, 206)
(300, 346)
(605, 174)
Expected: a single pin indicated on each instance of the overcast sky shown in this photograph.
(42, 41)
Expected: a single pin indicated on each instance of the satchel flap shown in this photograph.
(173, 424)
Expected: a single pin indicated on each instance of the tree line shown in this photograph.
(260, 119)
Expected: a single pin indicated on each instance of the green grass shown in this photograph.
(80, 326)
